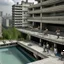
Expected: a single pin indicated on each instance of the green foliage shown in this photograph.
(11, 33)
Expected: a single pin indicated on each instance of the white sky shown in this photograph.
(6, 5)
(25, 0)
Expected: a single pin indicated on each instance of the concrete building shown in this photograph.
(20, 14)
(46, 14)
(0, 24)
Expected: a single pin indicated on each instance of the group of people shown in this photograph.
(61, 54)
(57, 32)
(46, 48)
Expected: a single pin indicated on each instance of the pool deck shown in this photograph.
(5, 43)
(48, 61)
(51, 58)
(1, 43)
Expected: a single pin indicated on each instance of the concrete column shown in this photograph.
(33, 15)
(40, 42)
(33, 24)
(41, 12)
(33, 9)
(29, 37)
(40, 26)
(41, 16)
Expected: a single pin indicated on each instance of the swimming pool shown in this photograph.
(12, 55)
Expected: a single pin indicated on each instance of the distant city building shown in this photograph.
(20, 14)
(0, 24)
(7, 21)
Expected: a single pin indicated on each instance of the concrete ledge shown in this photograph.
(50, 37)
(32, 50)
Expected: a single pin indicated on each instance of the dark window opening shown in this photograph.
(30, 9)
(37, 8)
(36, 15)
(31, 15)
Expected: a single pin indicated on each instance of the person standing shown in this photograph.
(58, 33)
(45, 31)
(62, 54)
(47, 46)
(55, 51)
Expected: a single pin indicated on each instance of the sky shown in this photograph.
(6, 5)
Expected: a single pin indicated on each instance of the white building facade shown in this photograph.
(20, 14)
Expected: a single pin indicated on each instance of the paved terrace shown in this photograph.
(49, 37)
(51, 58)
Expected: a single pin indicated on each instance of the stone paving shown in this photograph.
(48, 61)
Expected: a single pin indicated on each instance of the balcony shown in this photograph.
(17, 10)
(54, 18)
(35, 11)
(18, 20)
(51, 2)
(53, 9)
(48, 2)
(48, 10)
(17, 13)
(35, 18)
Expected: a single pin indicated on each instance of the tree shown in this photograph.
(11, 33)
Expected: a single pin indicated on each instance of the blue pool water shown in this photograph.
(12, 55)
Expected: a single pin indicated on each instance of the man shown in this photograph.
(45, 31)
(55, 51)
(47, 46)
(62, 54)
(58, 33)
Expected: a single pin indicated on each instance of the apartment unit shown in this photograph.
(46, 14)
(19, 14)
(0, 24)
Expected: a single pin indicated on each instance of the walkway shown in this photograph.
(49, 37)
